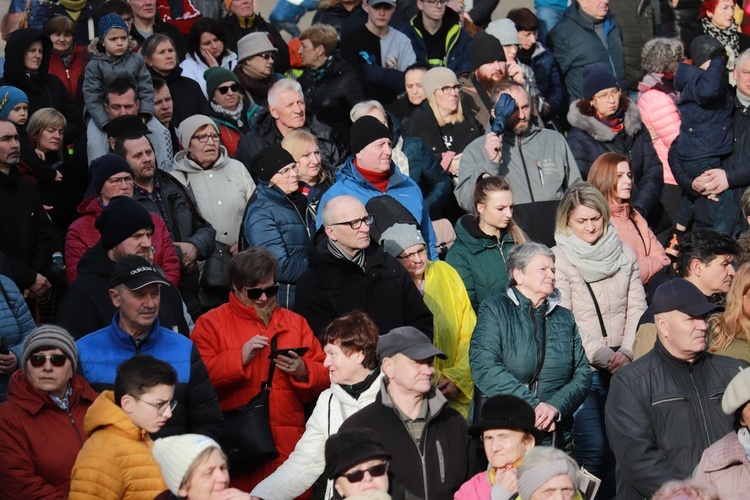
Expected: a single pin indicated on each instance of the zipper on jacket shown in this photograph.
(441, 461)
(419, 450)
(700, 407)
(72, 421)
(525, 170)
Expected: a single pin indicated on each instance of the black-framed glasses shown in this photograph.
(374, 471)
(203, 138)
(256, 293)
(267, 56)
(435, 2)
(410, 256)
(38, 360)
(126, 179)
(286, 171)
(451, 88)
(162, 407)
(356, 223)
(223, 90)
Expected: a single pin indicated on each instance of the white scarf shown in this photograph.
(598, 261)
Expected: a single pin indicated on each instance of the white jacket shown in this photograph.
(194, 67)
(307, 461)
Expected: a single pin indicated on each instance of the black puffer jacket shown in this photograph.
(235, 32)
(590, 138)
(187, 96)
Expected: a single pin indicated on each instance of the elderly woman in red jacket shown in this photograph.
(235, 341)
(42, 419)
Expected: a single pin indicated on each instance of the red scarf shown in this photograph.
(377, 179)
(616, 122)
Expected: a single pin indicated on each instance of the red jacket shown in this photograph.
(82, 235)
(219, 336)
(39, 441)
(71, 77)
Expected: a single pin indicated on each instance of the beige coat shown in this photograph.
(724, 467)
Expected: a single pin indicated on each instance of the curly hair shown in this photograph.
(662, 55)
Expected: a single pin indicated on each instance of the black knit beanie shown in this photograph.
(485, 49)
(270, 160)
(366, 130)
(105, 167)
(120, 220)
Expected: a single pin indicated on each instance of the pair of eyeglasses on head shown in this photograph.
(39, 360)
(204, 138)
(374, 471)
(223, 90)
(160, 407)
(356, 223)
(256, 293)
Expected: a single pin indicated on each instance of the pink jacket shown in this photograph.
(660, 116)
(479, 488)
(651, 255)
(724, 467)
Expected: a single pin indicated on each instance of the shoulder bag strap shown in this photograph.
(267, 384)
(598, 311)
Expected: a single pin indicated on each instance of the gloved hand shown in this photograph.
(504, 107)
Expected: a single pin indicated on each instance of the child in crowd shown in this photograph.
(117, 461)
(706, 132)
(116, 63)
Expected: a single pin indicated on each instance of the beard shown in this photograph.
(487, 81)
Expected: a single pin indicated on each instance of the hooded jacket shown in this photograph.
(725, 467)
(16, 323)
(457, 41)
(116, 462)
(332, 287)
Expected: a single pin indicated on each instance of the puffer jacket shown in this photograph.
(16, 323)
(72, 76)
(725, 468)
(510, 342)
(116, 462)
(661, 414)
(457, 41)
(221, 192)
(479, 259)
(40, 441)
(621, 299)
(660, 116)
(274, 222)
(548, 78)
(220, 335)
(633, 230)
(82, 235)
(307, 461)
(590, 138)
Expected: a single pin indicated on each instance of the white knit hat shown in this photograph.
(504, 30)
(175, 455)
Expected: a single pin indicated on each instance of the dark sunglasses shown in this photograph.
(255, 293)
(234, 88)
(267, 56)
(359, 475)
(37, 360)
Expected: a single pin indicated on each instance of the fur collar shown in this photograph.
(599, 130)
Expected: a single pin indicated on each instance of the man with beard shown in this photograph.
(193, 236)
(537, 162)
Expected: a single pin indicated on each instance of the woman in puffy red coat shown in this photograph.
(235, 341)
(68, 61)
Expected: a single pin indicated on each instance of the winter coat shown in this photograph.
(621, 300)
(576, 45)
(590, 138)
(705, 107)
(187, 96)
(539, 165)
(423, 124)
(638, 24)
(230, 130)
(16, 323)
(446, 457)
(332, 13)
(682, 21)
(662, 119)
(512, 339)
(235, 33)
(454, 320)
(220, 334)
(307, 461)
(548, 78)
(332, 287)
(86, 306)
(40, 441)
(661, 414)
(479, 259)
(633, 230)
(330, 95)
(350, 182)
(274, 222)
(475, 100)
(457, 41)
(26, 236)
(72, 76)
(116, 462)
(222, 200)
(193, 67)
(479, 488)
(83, 235)
(725, 468)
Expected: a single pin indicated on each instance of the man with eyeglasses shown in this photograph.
(350, 271)
(135, 290)
(242, 20)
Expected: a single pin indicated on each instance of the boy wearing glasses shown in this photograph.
(438, 38)
(116, 461)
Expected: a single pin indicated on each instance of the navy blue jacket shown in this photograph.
(457, 42)
(548, 78)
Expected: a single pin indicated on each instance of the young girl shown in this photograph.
(116, 63)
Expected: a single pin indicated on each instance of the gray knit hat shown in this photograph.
(541, 464)
(187, 128)
(49, 337)
(176, 454)
(254, 44)
(504, 30)
(437, 78)
(397, 238)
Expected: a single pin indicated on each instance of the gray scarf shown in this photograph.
(598, 261)
(358, 259)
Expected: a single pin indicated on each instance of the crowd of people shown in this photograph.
(414, 251)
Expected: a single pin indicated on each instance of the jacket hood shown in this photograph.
(553, 300)
(350, 171)
(188, 166)
(91, 206)
(96, 49)
(599, 130)
(32, 400)
(15, 49)
(105, 413)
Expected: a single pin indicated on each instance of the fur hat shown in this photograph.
(176, 454)
(437, 78)
(348, 448)
(50, 336)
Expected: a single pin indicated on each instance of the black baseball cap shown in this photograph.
(408, 341)
(135, 272)
(681, 295)
(126, 124)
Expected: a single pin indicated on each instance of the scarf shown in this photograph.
(615, 122)
(358, 259)
(73, 5)
(744, 436)
(64, 402)
(661, 82)
(299, 200)
(357, 389)
(257, 90)
(729, 37)
(235, 115)
(598, 261)
(66, 56)
(399, 158)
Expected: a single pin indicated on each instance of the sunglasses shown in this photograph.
(37, 360)
(267, 56)
(223, 90)
(375, 471)
(255, 293)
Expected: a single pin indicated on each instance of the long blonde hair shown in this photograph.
(733, 324)
(456, 117)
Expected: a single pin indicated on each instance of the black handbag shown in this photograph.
(247, 439)
(216, 269)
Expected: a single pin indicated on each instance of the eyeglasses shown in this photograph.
(356, 223)
(223, 90)
(267, 56)
(375, 471)
(162, 407)
(256, 293)
(38, 361)
(410, 256)
(435, 2)
(451, 88)
(286, 171)
(612, 94)
(203, 138)
(128, 179)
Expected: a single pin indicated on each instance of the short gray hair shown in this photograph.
(362, 108)
(326, 212)
(741, 58)
(520, 256)
(282, 86)
(661, 55)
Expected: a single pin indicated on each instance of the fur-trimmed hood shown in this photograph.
(95, 47)
(599, 130)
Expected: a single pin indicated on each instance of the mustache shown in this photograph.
(147, 310)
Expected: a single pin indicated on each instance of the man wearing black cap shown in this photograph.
(135, 290)
(664, 409)
(428, 440)
(126, 228)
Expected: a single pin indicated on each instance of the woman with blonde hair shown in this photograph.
(314, 180)
(729, 330)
